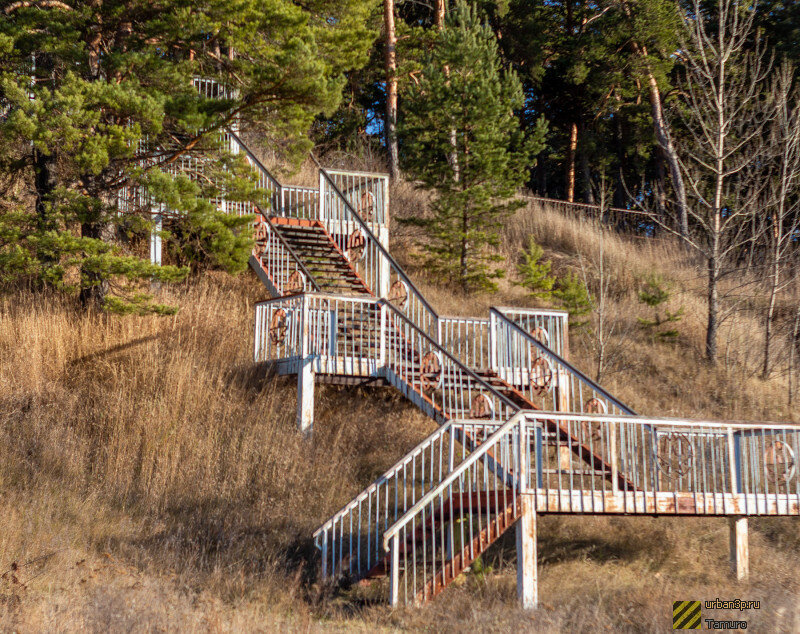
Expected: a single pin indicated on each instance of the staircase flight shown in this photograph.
(521, 430)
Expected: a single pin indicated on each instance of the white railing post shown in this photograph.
(155, 237)
(493, 364)
(321, 196)
(257, 335)
(394, 571)
(383, 335)
(523, 458)
(612, 430)
(325, 554)
(527, 574)
(740, 550)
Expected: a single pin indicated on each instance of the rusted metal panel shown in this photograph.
(664, 503)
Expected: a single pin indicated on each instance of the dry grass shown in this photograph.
(152, 479)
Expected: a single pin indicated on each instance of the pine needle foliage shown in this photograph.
(99, 96)
(463, 141)
(535, 274)
(654, 293)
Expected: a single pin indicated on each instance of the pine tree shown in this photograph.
(535, 274)
(571, 291)
(462, 140)
(654, 293)
(89, 88)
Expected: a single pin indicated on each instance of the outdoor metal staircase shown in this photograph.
(521, 430)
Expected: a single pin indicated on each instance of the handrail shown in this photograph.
(288, 248)
(564, 362)
(253, 157)
(505, 400)
(549, 312)
(438, 432)
(368, 233)
(657, 420)
(452, 477)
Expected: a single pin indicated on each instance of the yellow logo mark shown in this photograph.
(686, 615)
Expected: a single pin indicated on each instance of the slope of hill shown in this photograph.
(152, 478)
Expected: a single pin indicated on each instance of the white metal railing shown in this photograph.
(444, 386)
(351, 541)
(365, 192)
(550, 327)
(684, 467)
(447, 528)
(285, 270)
(467, 339)
(381, 273)
(545, 378)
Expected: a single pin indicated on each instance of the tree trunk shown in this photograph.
(441, 8)
(774, 278)
(464, 246)
(661, 187)
(712, 325)
(588, 195)
(94, 286)
(390, 125)
(664, 139)
(573, 146)
(44, 181)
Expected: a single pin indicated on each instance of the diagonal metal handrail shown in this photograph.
(566, 364)
(368, 233)
(288, 248)
(454, 475)
(504, 399)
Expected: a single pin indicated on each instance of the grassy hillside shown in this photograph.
(151, 479)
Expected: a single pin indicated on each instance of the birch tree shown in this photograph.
(782, 217)
(724, 114)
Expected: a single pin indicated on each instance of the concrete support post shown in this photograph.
(740, 549)
(155, 240)
(305, 375)
(527, 574)
(394, 571)
(305, 396)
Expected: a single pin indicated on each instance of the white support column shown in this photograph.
(740, 549)
(394, 571)
(527, 574)
(305, 375)
(155, 240)
(305, 396)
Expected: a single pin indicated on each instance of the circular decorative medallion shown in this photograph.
(541, 376)
(294, 284)
(590, 429)
(366, 205)
(540, 334)
(398, 294)
(278, 326)
(780, 462)
(430, 371)
(675, 454)
(356, 246)
(481, 407)
(260, 233)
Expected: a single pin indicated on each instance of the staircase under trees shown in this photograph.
(521, 430)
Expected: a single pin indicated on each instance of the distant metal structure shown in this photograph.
(522, 431)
